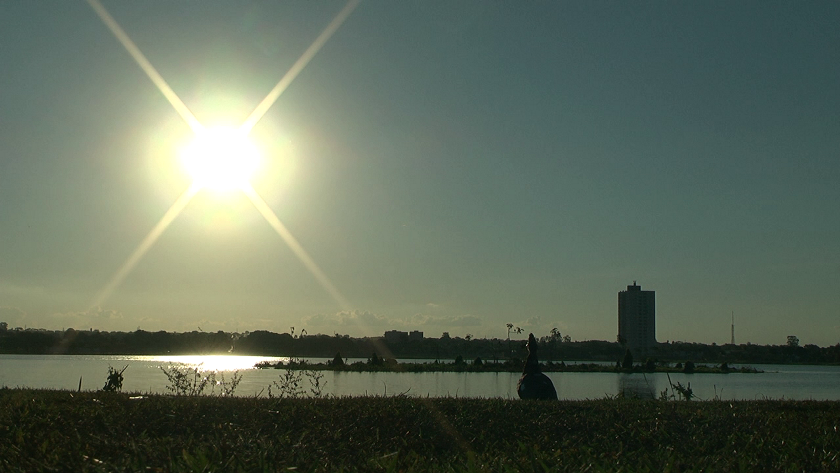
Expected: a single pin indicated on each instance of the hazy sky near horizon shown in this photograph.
(450, 166)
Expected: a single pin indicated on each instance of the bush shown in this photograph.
(288, 386)
(185, 381)
(114, 381)
(375, 360)
(226, 388)
(685, 392)
(316, 382)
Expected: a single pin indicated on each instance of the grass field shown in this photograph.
(96, 431)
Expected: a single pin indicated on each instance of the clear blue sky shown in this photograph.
(450, 166)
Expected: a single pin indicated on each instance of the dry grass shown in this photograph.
(64, 431)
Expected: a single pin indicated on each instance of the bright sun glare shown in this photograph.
(221, 158)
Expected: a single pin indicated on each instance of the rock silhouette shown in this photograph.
(534, 384)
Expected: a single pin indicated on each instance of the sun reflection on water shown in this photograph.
(214, 362)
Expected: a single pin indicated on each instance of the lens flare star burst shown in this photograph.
(220, 158)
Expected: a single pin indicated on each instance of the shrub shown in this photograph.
(375, 360)
(185, 381)
(115, 379)
(316, 383)
(288, 386)
(685, 392)
(226, 388)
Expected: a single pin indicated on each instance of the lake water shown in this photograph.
(145, 376)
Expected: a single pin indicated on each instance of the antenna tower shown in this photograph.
(732, 341)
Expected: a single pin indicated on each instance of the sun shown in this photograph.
(221, 158)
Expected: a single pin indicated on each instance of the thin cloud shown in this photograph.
(94, 317)
(370, 319)
(94, 313)
(350, 317)
(10, 288)
(227, 325)
(446, 320)
(12, 315)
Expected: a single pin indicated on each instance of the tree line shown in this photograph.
(553, 347)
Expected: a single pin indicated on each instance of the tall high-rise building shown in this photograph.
(637, 317)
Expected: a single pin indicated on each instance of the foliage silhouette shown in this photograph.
(191, 381)
(289, 384)
(114, 380)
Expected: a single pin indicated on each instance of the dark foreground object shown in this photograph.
(534, 384)
(64, 431)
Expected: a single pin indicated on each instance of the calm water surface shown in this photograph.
(144, 376)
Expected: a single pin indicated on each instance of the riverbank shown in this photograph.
(478, 366)
(94, 431)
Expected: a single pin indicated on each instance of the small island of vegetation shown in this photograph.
(376, 364)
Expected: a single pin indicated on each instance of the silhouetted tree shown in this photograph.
(260, 342)
(688, 368)
(375, 360)
(511, 328)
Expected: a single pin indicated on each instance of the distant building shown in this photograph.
(395, 336)
(637, 317)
